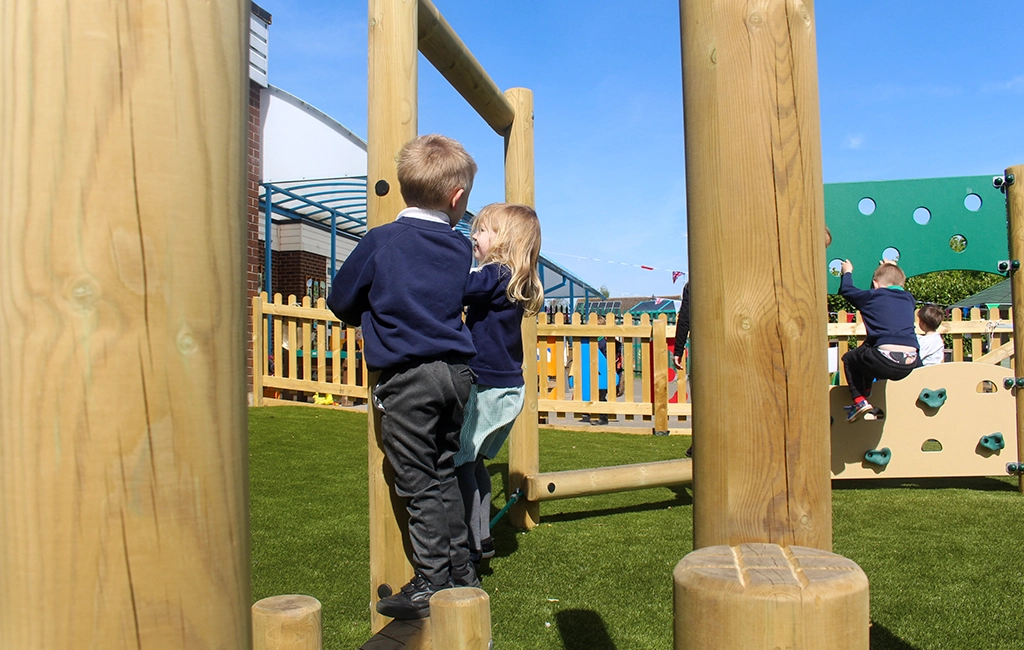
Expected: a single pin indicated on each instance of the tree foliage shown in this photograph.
(942, 288)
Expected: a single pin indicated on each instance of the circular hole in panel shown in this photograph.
(866, 206)
(986, 386)
(890, 255)
(972, 202)
(958, 243)
(835, 267)
(931, 444)
(922, 215)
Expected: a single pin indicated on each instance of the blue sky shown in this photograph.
(908, 89)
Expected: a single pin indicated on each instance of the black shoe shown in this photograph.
(465, 576)
(602, 421)
(412, 602)
(689, 451)
(487, 548)
(585, 419)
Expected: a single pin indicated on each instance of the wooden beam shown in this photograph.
(391, 122)
(1004, 351)
(445, 50)
(603, 480)
(1015, 216)
(125, 513)
(757, 246)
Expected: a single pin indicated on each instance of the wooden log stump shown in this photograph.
(287, 623)
(460, 619)
(767, 596)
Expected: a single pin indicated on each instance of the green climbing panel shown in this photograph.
(936, 224)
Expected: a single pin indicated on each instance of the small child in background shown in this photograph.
(506, 285)
(932, 347)
(890, 350)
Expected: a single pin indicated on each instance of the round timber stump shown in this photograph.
(756, 596)
(289, 622)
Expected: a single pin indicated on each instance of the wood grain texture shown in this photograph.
(756, 245)
(391, 122)
(1015, 216)
(523, 446)
(756, 596)
(603, 480)
(460, 619)
(290, 622)
(124, 517)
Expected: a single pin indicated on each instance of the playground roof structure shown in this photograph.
(996, 295)
(338, 205)
(656, 306)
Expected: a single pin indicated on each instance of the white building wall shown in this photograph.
(300, 142)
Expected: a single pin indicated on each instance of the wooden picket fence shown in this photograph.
(303, 354)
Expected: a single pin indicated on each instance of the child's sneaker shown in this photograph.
(487, 548)
(412, 602)
(854, 412)
(465, 576)
(875, 414)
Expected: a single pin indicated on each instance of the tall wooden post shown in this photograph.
(762, 575)
(523, 446)
(391, 122)
(1015, 217)
(756, 241)
(124, 515)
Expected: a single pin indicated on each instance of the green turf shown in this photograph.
(944, 556)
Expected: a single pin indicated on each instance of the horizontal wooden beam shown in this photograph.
(603, 480)
(439, 43)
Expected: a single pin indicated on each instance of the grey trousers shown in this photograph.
(421, 419)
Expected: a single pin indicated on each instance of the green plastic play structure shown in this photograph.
(932, 224)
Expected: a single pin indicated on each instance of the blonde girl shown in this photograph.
(504, 287)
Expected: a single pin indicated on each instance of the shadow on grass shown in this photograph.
(643, 507)
(980, 483)
(583, 629)
(883, 639)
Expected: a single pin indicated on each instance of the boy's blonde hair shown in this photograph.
(931, 316)
(515, 243)
(431, 168)
(888, 274)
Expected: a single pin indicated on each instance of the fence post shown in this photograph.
(259, 349)
(659, 341)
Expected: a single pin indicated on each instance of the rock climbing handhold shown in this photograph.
(993, 441)
(880, 457)
(1014, 468)
(1008, 383)
(932, 398)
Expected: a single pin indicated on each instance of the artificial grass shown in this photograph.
(943, 556)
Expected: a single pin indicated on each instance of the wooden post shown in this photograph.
(756, 241)
(287, 623)
(124, 516)
(660, 361)
(1015, 216)
(523, 446)
(765, 596)
(391, 122)
(460, 619)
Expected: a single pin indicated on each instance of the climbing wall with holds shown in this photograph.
(951, 419)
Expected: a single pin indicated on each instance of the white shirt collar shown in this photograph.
(426, 215)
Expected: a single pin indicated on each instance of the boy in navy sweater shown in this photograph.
(404, 284)
(890, 350)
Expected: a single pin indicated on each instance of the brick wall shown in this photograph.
(254, 248)
(292, 268)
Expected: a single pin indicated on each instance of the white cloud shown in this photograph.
(854, 141)
(1015, 85)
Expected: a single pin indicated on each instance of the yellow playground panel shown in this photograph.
(951, 419)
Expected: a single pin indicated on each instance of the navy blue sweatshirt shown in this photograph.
(404, 283)
(495, 322)
(888, 313)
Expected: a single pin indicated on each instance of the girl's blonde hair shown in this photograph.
(515, 243)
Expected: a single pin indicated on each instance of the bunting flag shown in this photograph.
(675, 274)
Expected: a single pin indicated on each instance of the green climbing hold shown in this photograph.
(992, 442)
(880, 457)
(1014, 468)
(1008, 383)
(932, 398)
